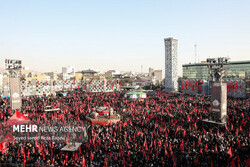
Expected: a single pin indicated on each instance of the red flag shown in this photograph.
(81, 82)
(165, 151)
(91, 156)
(232, 163)
(105, 162)
(206, 148)
(196, 160)
(83, 161)
(24, 159)
(236, 85)
(239, 145)
(3, 146)
(176, 130)
(230, 152)
(195, 125)
(145, 142)
(182, 146)
(248, 162)
(201, 151)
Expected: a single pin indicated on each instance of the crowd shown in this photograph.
(162, 130)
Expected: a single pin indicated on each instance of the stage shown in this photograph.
(70, 147)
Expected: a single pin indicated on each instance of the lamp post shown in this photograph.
(219, 89)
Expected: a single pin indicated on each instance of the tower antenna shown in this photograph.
(195, 52)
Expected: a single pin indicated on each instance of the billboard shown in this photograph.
(219, 102)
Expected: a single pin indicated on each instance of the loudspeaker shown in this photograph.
(219, 102)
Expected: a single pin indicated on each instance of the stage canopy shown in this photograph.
(16, 119)
(135, 95)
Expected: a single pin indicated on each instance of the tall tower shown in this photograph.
(171, 65)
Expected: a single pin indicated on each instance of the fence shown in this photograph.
(34, 87)
(234, 88)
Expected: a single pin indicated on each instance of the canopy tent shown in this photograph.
(140, 90)
(135, 95)
(16, 119)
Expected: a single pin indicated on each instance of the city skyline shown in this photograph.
(121, 35)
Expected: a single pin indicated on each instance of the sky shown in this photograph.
(121, 34)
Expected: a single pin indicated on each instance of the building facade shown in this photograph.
(157, 75)
(171, 64)
(235, 70)
(237, 77)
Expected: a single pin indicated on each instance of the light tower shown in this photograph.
(14, 67)
(219, 90)
(171, 64)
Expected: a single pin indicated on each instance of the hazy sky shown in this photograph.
(120, 34)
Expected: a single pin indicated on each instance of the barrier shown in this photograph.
(34, 87)
(236, 89)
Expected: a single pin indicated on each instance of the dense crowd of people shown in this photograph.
(165, 129)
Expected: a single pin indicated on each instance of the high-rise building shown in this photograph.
(68, 70)
(151, 70)
(171, 64)
(157, 75)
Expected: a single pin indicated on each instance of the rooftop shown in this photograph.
(205, 64)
